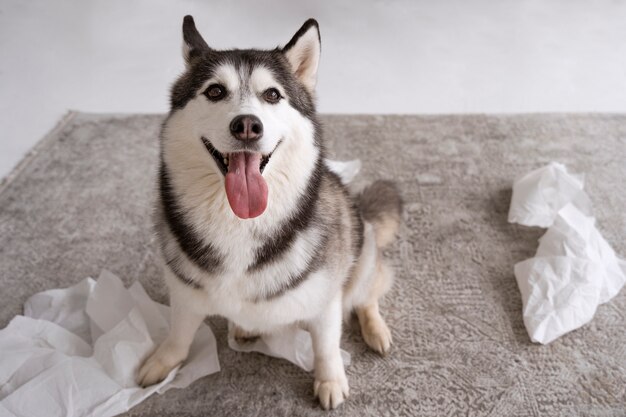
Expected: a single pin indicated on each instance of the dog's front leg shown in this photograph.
(331, 384)
(175, 348)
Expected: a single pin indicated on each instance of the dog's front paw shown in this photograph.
(159, 364)
(331, 393)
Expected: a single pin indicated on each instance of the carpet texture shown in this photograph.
(82, 201)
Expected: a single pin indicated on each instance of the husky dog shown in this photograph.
(253, 225)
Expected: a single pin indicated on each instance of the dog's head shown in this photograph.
(244, 106)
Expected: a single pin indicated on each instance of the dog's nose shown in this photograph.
(246, 127)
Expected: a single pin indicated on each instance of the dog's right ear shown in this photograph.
(303, 53)
(193, 44)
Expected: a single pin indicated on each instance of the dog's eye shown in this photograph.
(272, 96)
(215, 92)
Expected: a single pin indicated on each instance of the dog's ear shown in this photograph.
(303, 53)
(193, 44)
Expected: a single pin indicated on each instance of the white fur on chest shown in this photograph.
(300, 304)
(236, 293)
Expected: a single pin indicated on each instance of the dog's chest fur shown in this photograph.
(265, 272)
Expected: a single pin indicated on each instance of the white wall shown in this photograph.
(377, 57)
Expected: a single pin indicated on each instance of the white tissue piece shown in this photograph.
(76, 351)
(575, 236)
(559, 294)
(292, 343)
(539, 195)
(346, 170)
(574, 269)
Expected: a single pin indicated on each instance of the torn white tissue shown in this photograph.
(574, 269)
(346, 170)
(558, 293)
(575, 236)
(292, 343)
(75, 351)
(540, 194)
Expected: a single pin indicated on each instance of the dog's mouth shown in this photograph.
(222, 160)
(246, 188)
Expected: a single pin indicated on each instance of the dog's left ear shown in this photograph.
(193, 43)
(303, 53)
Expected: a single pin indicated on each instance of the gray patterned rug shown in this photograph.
(81, 202)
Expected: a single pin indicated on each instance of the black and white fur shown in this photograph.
(312, 256)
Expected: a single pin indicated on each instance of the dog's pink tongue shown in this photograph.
(245, 187)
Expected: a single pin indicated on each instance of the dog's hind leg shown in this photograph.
(373, 328)
(175, 348)
(380, 205)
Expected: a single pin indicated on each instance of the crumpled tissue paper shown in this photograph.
(574, 269)
(539, 195)
(75, 351)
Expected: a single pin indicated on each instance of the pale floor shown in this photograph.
(380, 56)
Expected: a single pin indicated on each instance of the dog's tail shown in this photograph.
(381, 205)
